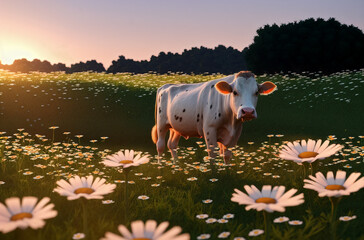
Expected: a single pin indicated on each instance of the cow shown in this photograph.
(214, 110)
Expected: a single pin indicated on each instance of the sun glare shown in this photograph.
(10, 53)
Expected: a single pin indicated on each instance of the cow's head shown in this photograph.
(244, 91)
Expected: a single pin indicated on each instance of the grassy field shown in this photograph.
(121, 108)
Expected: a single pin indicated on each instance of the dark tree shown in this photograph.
(196, 60)
(88, 66)
(309, 45)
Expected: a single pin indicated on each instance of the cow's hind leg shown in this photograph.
(161, 143)
(173, 144)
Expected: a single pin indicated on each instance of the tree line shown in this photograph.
(307, 45)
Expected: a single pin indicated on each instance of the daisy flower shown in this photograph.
(295, 222)
(281, 220)
(308, 151)
(25, 214)
(224, 235)
(84, 187)
(347, 218)
(268, 199)
(150, 230)
(204, 236)
(334, 187)
(255, 232)
(125, 159)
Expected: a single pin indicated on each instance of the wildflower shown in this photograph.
(78, 236)
(255, 232)
(210, 220)
(25, 214)
(207, 201)
(224, 235)
(268, 199)
(347, 218)
(332, 187)
(125, 159)
(295, 222)
(222, 220)
(281, 219)
(107, 201)
(202, 216)
(204, 236)
(149, 230)
(143, 197)
(228, 216)
(84, 187)
(308, 151)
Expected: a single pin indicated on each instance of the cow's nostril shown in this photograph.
(242, 110)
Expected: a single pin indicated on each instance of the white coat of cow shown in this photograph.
(214, 110)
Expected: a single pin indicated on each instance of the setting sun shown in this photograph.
(11, 52)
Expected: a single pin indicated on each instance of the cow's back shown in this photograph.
(182, 106)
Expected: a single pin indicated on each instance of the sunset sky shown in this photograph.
(70, 31)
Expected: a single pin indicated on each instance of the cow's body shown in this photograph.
(202, 110)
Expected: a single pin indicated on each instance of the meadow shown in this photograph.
(55, 126)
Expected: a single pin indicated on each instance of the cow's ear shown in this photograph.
(267, 88)
(223, 87)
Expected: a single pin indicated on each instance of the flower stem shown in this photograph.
(84, 213)
(333, 222)
(267, 224)
(126, 171)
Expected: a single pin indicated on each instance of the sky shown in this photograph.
(71, 31)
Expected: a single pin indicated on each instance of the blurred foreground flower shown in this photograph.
(84, 187)
(25, 214)
(149, 231)
(125, 159)
(308, 151)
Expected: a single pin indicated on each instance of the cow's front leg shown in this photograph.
(225, 152)
(173, 144)
(161, 142)
(211, 141)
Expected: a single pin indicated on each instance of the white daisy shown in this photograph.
(224, 235)
(149, 231)
(332, 187)
(308, 151)
(25, 214)
(347, 218)
(268, 199)
(281, 220)
(204, 236)
(84, 187)
(125, 159)
(255, 232)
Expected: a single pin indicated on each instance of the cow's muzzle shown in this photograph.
(247, 114)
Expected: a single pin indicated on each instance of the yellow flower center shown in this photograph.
(84, 190)
(265, 200)
(21, 216)
(335, 187)
(307, 154)
(126, 162)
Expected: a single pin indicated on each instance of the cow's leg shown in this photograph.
(161, 143)
(173, 144)
(221, 147)
(225, 152)
(211, 141)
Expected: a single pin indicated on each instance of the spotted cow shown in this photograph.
(214, 110)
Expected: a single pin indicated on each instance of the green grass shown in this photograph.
(121, 107)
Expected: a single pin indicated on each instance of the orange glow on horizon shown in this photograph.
(13, 51)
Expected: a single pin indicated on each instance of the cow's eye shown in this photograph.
(235, 93)
(257, 93)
